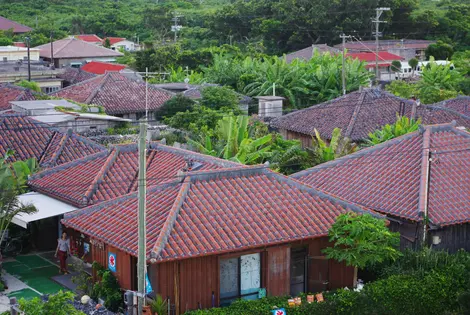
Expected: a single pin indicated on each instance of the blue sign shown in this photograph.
(112, 262)
(279, 311)
(148, 285)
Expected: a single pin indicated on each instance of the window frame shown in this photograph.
(239, 295)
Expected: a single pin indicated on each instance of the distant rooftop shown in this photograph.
(307, 53)
(387, 44)
(6, 24)
(76, 48)
(16, 48)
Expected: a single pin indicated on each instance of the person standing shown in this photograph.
(63, 249)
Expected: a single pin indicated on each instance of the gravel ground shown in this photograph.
(90, 308)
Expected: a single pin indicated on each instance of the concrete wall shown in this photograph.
(15, 55)
(86, 125)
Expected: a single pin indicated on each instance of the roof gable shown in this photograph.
(113, 173)
(211, 212)
(389, 177)
(32, 139)
(117, 93)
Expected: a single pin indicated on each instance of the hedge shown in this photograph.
(428, 283)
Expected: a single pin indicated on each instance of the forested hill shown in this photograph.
(123, 18)
(269, 26)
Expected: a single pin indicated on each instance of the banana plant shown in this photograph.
(337, 147)
(401, 127)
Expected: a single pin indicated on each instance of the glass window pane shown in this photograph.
(250, 274)
(229, 278)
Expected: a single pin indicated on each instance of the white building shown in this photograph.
(13, 53)
(120, 43)
(69, 116)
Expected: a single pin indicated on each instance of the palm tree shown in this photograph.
(13, 178)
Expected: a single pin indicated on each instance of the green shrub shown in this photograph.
(159, 305)
(107, 288)
(57, 304)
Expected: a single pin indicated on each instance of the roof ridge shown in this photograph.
(100, 175)
(423, 195)
(97, 89)
(63, 46)
(451, 110)
(43, 155)
(354, 155)
(311, 190)
(135, 182)
(357, 108)
(170, 220)
(79, 83)
(58, 152)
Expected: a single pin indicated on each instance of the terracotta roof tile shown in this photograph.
(214, 212)
(32, 139)
(114, 173)
(460, 104)
(388, 177)
(114, 40)
(10, 92)
(359, 113)
(117, 93)
(73, 75)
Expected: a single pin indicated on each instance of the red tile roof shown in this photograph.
(390, 178)
(10, 92)
(73, 75)
(370, 56)
(116, 171)
(359, 113)
(211, 212)
(459, 104)
(102, 67)
(19, 44)
(387, 44)
(114, 40)
(6, 24)
(90, 38)
(32, 139)
(117, 93)
(75, 48)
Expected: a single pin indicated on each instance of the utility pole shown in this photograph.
(343, 70)
(377, 22)
(176, 27)
(142, 261)
(28, 45)
(52, 50)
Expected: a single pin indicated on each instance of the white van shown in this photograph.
(406, 71)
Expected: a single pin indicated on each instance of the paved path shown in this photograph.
(14, 285)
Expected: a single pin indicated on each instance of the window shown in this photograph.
(50, 89)
(240, 277)
(298, 271)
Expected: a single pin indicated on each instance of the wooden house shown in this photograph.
(218, 235)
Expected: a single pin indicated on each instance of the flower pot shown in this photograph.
(147, 310)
